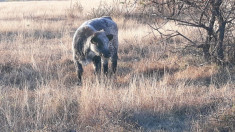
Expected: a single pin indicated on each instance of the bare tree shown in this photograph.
(215, 17)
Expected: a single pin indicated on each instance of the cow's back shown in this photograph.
(104, 23)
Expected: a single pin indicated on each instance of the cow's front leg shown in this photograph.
(105, 65)
(79, 72)
(97, 64)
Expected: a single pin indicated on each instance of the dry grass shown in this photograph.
(154, 89)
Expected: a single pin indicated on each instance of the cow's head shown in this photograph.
(100, 44)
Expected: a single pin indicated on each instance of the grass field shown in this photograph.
(155, 89)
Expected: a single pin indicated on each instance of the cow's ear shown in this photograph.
(94, 40)
(110, 37)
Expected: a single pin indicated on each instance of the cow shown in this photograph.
(96, 41)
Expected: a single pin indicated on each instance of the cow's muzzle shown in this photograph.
(106, 54)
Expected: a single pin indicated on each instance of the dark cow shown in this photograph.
(96, 41)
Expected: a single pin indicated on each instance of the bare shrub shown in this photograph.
(75, 10)
(214, 17)
(105, 9)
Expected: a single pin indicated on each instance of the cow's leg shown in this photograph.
(79, 72)
(97, 64)
(105, 66)
(114, 63)
(114, 57)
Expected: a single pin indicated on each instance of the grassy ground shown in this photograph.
(155, 89)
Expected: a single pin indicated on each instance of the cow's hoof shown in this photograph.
(79, 84)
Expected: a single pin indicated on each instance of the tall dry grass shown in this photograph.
(154, 89)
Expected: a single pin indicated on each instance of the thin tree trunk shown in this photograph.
(221, 30)
(220, 50)
(206, 53)
(207, 45)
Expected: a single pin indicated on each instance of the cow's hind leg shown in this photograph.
(114, 63)
(97, 64)
(79, 72)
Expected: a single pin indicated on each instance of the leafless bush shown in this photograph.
(75, 10)
(213, 18)
(116, 8)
